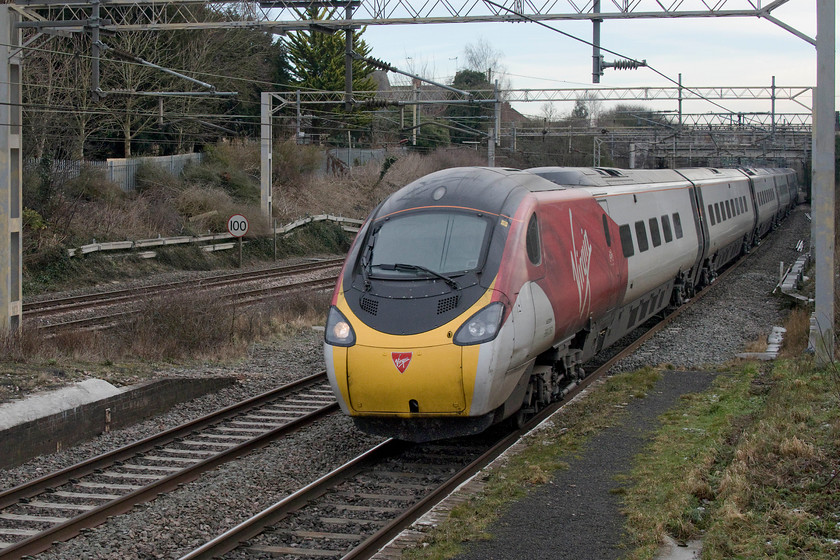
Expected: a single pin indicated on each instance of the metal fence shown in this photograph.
(122, 171)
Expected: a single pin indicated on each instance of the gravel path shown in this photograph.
(731, 316)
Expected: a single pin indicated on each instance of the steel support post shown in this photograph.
(265, 154)
(596, 43)
(824, 182)
(11, 170)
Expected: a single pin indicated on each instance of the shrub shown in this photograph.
(91, 185)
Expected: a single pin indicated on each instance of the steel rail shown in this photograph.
(126, 294)
(255, 525)
(72, 527)
(249, 297)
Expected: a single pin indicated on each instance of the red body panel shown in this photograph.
(580, 273)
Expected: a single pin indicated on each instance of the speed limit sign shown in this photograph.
(237, 225)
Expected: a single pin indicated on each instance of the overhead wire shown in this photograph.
(612, 52)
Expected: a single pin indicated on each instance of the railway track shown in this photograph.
(107, 309)
(60, 505)
(350, 513)
(355, 510)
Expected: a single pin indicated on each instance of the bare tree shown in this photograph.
(549, 112)
(126, 80)
(483, 57)
(58, 113)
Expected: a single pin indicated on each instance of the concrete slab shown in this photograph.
(44, 404)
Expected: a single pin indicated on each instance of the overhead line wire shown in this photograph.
(585, 42)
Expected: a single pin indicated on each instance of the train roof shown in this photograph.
(604, 176)
(492, 189)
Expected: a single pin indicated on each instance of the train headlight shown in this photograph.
(481, 327)
(338, 331)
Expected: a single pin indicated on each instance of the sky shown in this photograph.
(706, 51)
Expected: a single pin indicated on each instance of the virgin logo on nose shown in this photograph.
(401, 360)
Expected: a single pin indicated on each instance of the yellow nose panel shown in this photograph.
(404, 381)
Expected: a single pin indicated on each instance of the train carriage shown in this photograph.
(473, 295)
(765, 199)
(727, 216)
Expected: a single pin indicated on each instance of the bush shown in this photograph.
(154, 180)
(235, 182)
(91, 185)
(291, 162)
(171, 326)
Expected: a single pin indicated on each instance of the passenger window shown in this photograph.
(606, 230)
(626, 240)
(641, 236)
(666, 229)
(677, 225)
(532, 241)
(711, 215)
(654, 232)
(728, 210)
(717, 211)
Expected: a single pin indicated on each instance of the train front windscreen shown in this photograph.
(435, 242)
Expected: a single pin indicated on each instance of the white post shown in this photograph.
(265, 154)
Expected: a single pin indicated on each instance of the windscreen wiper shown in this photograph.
(403, 266)
(367, 255)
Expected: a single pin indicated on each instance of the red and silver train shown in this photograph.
(475, 294)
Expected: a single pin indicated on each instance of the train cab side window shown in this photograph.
(711, 215)
(717, 212)
(626, 239)
(641, 236)
(532, 241)
(654, 232)
(606, 230)
(677, 225)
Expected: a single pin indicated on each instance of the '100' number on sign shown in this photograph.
(237, 225)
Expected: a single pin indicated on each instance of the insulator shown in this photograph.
(375, 103)
(626, 64)
(380, 64)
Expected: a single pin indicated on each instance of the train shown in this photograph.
(474, 295)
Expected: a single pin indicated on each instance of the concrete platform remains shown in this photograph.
(50, 402)
(47, 423)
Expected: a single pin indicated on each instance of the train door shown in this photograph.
(617, 275)
(525, 308)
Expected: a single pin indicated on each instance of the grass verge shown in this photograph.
(751, 466)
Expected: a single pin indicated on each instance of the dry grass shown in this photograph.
(169, 330)
(798, 325)
(356, 192)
